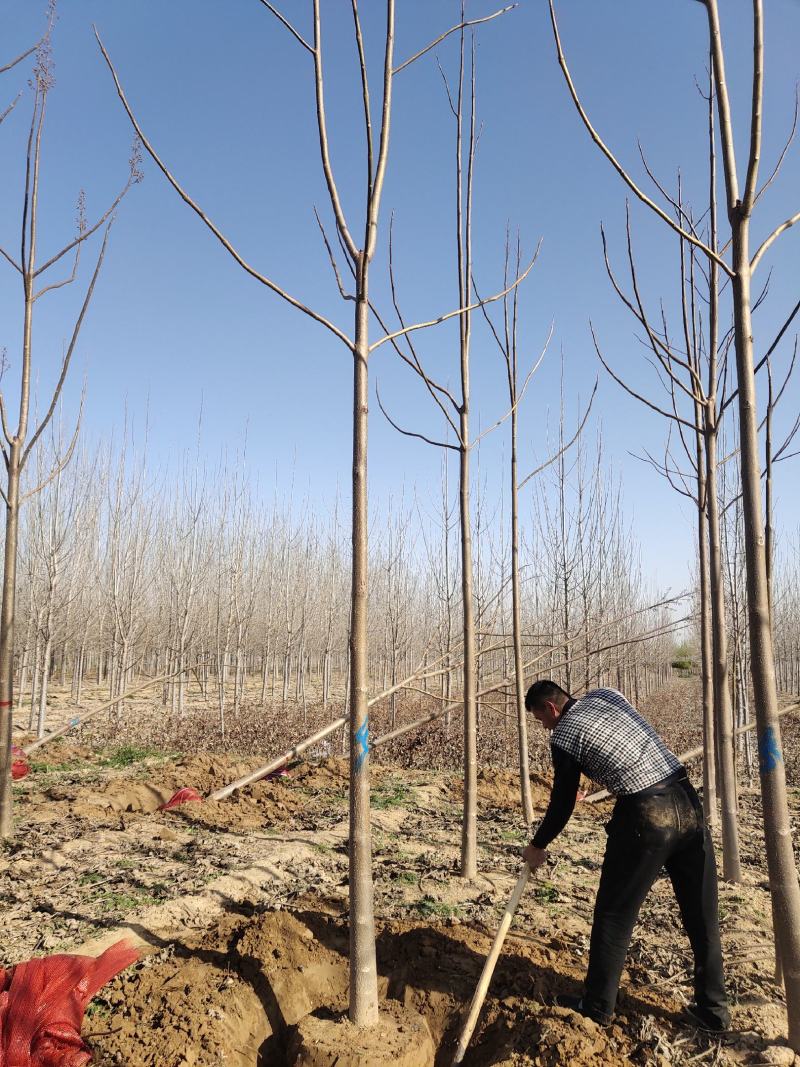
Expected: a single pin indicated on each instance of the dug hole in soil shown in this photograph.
(272, 989)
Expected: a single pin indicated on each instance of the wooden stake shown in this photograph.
(280, 761)
(489, 966)
(79, 720)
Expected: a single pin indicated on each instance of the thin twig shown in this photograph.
(453, 29)
(645, 199)
(226, 244)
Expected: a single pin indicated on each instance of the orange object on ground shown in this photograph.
(42, 1003)
(19, 763)
(186, 795)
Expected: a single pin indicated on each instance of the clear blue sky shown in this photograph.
(226, 96)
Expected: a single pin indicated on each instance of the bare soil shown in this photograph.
(239, 910)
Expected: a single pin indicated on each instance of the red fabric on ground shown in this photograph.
(42, 1003)
(19, 765)
(183, 796)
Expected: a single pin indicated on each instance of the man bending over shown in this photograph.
(657, 822)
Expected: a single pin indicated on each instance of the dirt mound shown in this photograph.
(145, 787)
(180, 1013)
(236, 997)
(231, 998)
(122, 794)
(500, 789)
(401, 1037)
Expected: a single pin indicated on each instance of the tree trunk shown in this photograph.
(777, 826)
(7, 641)
(726, 785)
(469, 826)
(43, 685)
(363, 971)
(519, 686)
(709, 766)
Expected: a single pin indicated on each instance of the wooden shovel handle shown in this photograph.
(489, 966)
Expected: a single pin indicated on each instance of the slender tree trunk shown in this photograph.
(363, 972)
(469, 826)
(37, 664)
(783, 881)
(79, 679)
(43, 686)
(777, 826)
(731, 864)
(7, 640)
(706, 655)
(519, 688)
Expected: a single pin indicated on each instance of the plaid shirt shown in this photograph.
(613, 744)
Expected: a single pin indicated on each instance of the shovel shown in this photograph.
(489, 966)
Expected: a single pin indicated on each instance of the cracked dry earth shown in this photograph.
(239, 910)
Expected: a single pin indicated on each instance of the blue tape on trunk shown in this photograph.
(362, 739)
(769, 752)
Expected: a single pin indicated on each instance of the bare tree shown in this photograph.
(687, 368)
(358, 254)
(740, 202)
(457, 411)
(18, 443)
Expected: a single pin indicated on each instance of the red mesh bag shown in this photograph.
(19, 763)
(187, 795)
(42, 1003)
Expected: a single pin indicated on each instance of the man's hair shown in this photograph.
(544, 690)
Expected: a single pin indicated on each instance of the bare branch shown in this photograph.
(288, 25)
(70, 349)
(322, 129)
(452, 314)
(654, 341)
(669, 351)
(632, 392)
(432, 385)
(751, 181)
(502, 419)
(781, 453)
(773, 237)
(411, 433)
(65, 281)
(782, 156)
(447, 89)
(61, 464)
(20, 58)
(226, 244)
(85, 234)
(521, 395)
(680, 212)
(10, 108)
(3, 421)
(566, 447)
(453, 29)
(373, 206)
(11, 260)
(362, 64)
(645, 199)
(334, 266)
(729, 399)
(666, 472)
(789, 373)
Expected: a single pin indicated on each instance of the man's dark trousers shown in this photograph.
(660, 827)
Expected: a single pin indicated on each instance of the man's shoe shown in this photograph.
(705, 1019)
(562, 1000)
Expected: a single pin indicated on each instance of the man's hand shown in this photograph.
(534, 857)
